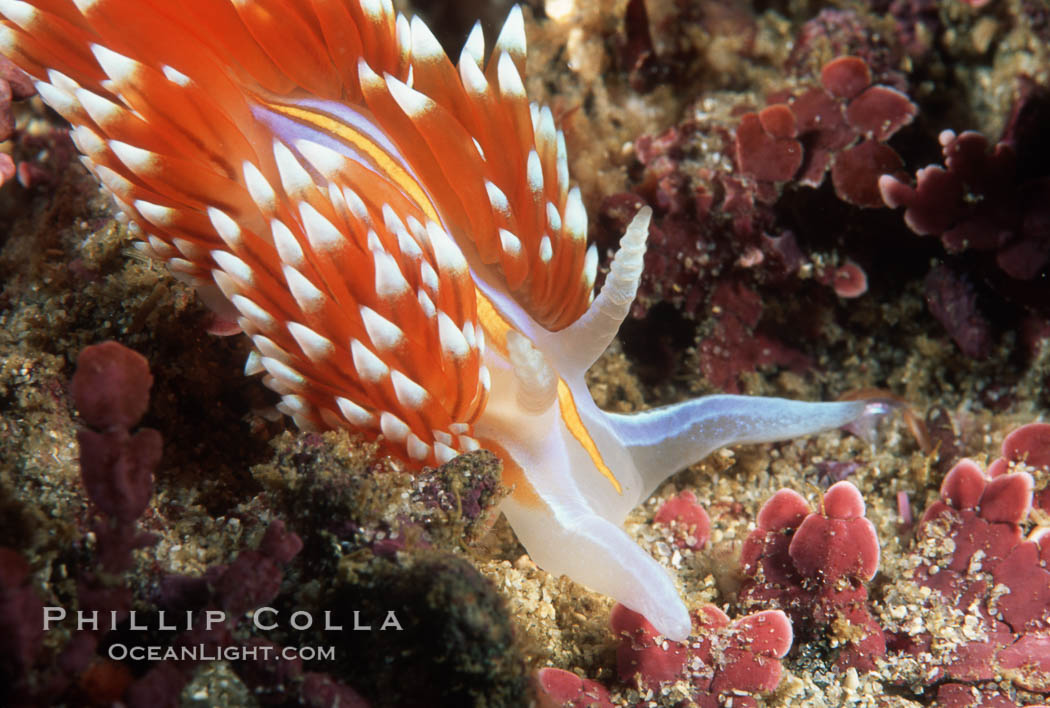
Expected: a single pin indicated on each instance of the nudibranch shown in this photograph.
(399, 238)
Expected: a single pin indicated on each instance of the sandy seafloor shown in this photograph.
(71, 278)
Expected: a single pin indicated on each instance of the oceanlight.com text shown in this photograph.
(205, 652)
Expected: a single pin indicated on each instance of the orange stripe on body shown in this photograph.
(346, 133)
(571, 417)
(496, 328)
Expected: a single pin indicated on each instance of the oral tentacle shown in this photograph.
(665, 440)
(572, 539)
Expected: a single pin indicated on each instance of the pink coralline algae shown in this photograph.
(974, 557)
(916, 23)
(766, 145)
(724, 662)
(14, 85)
(735, 345)
(111, 391)
(960, 695)
(19, 639)
(840, 32)
(987, 198)
(687, 520)
(848, 280)
(736, 658)
(558, 688)
(843, 124)
(111, 386)
(1029, 444)
(254, 577)
(732, 226)
(950, 297)
(36, 156)
(814, 565)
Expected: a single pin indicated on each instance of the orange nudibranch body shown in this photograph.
(398, 236)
